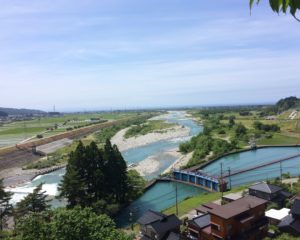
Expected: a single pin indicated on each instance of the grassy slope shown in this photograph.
(191, 203)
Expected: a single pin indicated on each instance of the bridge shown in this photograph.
(261, 165)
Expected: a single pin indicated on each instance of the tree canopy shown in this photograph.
(68, 224)
(33, 202)
(99, 177)
(5, 206)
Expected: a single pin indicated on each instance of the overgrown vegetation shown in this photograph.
(145, 128)
(108, 133)
(65, 224)
(281, 106)
(293, 188)
(50, 161)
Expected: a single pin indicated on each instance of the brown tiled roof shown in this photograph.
(237, 207)
(204, 208)
(207, 230)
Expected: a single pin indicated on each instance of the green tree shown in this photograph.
(73, 186)
(240, 130)
(231, 121)
(99, 177)
(33, 202)
(5, 206)
(136, 185)
(68, 224)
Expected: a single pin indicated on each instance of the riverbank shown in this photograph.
(142, 140)
(14, 177)
(152, 164)
(181, 162)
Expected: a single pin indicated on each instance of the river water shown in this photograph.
(162, 195)
(158, 150)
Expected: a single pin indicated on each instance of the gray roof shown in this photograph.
(296, 207)
(286, 221)
(290, 223)
(265, 187)
(169, 223)
(201, 221)
(174, 236)
(150, 217)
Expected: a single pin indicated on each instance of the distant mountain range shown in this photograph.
(21, 111)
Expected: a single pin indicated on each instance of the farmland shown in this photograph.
(21, 155)
(15, 132)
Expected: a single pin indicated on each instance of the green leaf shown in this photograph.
(293, 7)
(274, 5)
(285, 4)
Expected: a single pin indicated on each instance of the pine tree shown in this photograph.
(34, 202)
(73, 187)
(5, 206)
(95, 176)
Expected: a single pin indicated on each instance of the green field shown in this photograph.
(289, 129)
(13, 133)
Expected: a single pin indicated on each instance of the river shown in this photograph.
(162, 195)
(158, 150)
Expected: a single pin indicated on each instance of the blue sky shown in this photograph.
(89, 55)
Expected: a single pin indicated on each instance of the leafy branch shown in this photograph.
(282, 6)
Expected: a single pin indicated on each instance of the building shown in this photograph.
(291, 223)
(197, 225)
(269, 192)
(240, 219)
(276, 216)
(205, 208)
(157, 226)
(232, 197)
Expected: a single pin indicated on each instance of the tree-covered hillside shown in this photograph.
(22, 111)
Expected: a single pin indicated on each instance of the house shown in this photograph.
(174, 236)
(158, 226)
(197, 225)
(232, 197)
(205, 208)
(240, 219)
(291, 223)
(269, 192)
(276, 216)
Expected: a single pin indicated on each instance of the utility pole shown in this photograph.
(222, 185)
(280, 171)
(229, 172)
(130, 219)
(176, 192)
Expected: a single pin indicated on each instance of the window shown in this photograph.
(215, 227)
(229, 227)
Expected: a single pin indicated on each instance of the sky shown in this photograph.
(116, 54)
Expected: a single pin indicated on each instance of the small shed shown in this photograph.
(275, 216)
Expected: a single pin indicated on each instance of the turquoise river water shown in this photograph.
(162, 195)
